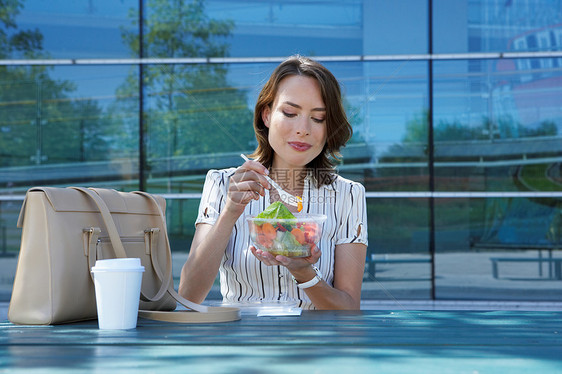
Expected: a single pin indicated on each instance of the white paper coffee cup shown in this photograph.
(118, 283)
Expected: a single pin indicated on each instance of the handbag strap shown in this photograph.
(118, 245)
(198, 313)
(171, 291)
(165, 279)
(213, 314)
(207, 314)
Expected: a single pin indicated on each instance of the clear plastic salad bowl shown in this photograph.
(290, 237)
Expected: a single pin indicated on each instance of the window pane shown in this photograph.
(393, 131)
(78, 29)
(195, 124)
(395, 27)
(196, 120)
(65, 125)
(399, 263)
(395, 125)
(497, 128)
(203, 110)
(282, 28)
(108, 29)
(497, 26)
(498, 249)
(494, 120)
(497, 123)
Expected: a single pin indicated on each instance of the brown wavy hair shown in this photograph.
(338, 128)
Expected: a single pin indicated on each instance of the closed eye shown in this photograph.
(290, 115)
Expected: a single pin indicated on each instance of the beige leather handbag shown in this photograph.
(65, 230)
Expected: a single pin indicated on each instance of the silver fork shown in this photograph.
(283, 195)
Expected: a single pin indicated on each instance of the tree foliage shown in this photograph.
(190, 109)
(504, 127)
(39, 123)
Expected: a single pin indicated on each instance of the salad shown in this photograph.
(279, 232)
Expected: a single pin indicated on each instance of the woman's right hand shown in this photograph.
(246, 184)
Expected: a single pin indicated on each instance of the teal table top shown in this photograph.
(316, 342)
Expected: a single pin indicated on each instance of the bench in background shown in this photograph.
(554, 264)
(373, 261)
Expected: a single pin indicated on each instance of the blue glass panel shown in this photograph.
(395, 101)
(497, 249)
(281, 28)
(395, 27)
(497, 26)
(68, 125)
(79, 29)
(497, 128)
(491, 118)
(198, 117)
(188, 117)
(399, 263)
(499, 99)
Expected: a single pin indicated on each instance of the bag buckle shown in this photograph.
(90, 237)
(150, 239)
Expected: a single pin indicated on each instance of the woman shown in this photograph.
(300, 125)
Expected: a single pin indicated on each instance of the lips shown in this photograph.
(299, 146)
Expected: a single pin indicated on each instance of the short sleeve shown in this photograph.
(213, 197)
(353, 223)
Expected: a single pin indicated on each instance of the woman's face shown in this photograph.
(296, 122)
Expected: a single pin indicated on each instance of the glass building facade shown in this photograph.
(456, 108)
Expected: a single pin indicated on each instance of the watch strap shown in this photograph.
(317, 278)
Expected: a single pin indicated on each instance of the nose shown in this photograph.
(303, 126)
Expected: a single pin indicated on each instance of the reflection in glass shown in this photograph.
(497, 123)
(282, 28)
(393, 139)
(498, 128)
(62, 125)
(398, 259)
(78, 29)
(499, 249)
(395, 126)
(494, 127)
(195, 121)
(497, 26)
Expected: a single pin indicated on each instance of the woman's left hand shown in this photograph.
(291, 263)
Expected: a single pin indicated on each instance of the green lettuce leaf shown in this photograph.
(277, 210)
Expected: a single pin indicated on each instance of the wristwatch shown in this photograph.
(317, 278)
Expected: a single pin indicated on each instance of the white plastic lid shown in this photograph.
(118, 264)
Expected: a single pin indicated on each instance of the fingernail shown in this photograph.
(266, 171)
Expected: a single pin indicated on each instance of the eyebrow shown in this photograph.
(299, 107)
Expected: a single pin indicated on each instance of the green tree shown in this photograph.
(38, 122)
(545, 128)
(190, 109)
(417, 129)
(26, 43)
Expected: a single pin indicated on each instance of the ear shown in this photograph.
(266, 115)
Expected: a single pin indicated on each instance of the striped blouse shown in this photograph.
(243, 278)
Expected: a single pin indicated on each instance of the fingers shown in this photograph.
(315, 254)
(289, 262)
(243, 191)
(248, 182)
(265, 257)
(255, 166)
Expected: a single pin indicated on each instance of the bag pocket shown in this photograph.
(145, 247)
